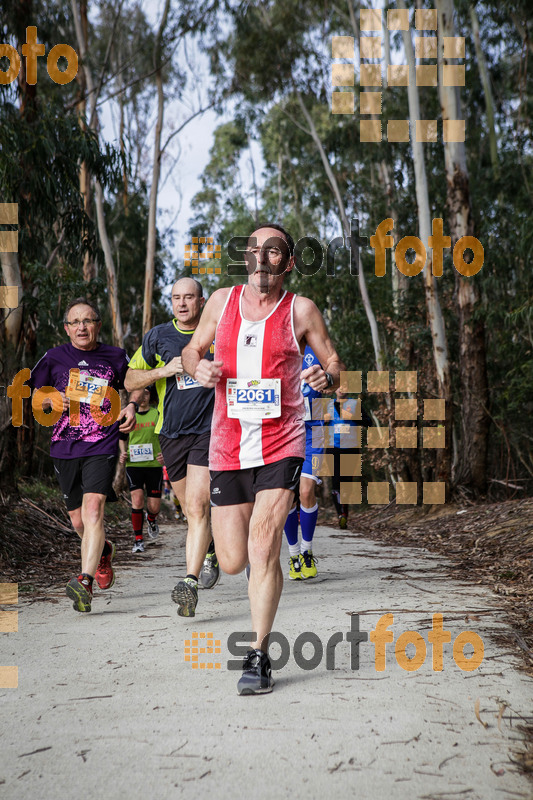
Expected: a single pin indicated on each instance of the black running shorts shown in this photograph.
(191, 448)
(233, 487)
(79, 476)
(151, 477)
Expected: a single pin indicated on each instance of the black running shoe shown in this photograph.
(185, 594)
(256, 674)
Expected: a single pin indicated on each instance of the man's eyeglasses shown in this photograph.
(86, 322)
(273, 254)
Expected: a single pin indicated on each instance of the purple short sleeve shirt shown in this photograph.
(106, 363)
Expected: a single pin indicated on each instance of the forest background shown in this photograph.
(90, 209)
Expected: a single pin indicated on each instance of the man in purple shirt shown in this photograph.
(84, 445)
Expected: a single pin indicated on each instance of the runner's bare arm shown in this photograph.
(205, 372)
(140, 378)
(311, 329)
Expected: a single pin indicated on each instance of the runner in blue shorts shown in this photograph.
(302, 564)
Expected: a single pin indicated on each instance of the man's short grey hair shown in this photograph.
(81, 301)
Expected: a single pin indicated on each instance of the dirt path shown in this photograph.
(108, 707)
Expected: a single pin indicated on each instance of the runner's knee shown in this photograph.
(197, 508)
(92, 510)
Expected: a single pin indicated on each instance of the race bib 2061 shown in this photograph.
(254, 399)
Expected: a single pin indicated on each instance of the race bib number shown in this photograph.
(253, 400)
(186, 382)
(342, 427)
(141, 452)
(85, 388)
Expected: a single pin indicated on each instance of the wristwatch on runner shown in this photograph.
(329, 379)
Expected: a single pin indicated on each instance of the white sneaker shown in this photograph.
(138, 547)
(153, 528)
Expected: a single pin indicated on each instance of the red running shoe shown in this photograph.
(105, 574)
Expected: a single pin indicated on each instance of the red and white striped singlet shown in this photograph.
(254, 350)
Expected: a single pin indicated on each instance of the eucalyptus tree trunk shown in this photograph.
(116, 321)
(487, 91)
(378, 352)
(151, 240)
(400, 282)
(434, 312)
(89, 264)
(472, 462)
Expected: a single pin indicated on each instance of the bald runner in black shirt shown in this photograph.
(185, 411)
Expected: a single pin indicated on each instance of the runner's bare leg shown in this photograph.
(252, 533)
(92, 543)
(198, 517)
(264, 546)
(231, 525)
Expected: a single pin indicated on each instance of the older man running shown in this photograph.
(258, 435)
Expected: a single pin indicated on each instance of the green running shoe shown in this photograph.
(81, 592)
(185, 594)
(295, 568)
(308, 565)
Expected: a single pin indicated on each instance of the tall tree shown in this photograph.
(114, 307)
(472, 464)
(156, 171)
(434, 312)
